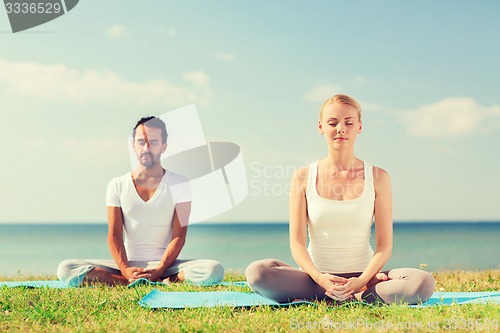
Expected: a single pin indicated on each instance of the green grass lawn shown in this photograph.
(115, 309)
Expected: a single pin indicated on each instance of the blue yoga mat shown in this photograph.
(179, 300)
(35, 284)
(143, 281)
(448, 298)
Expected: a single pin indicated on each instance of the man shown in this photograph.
(148, 212)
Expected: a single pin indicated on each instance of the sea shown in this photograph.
(36, 249)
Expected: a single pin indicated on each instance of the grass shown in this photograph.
(115, 309)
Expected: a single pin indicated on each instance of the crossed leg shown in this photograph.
(280, 282)
(198, 271)
(100, 275)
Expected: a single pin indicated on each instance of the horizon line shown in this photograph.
(236, 222)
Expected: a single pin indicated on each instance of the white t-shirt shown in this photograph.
(147, 225)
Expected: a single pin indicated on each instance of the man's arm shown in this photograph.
(117, 248)
(179, 232)
(115, 237)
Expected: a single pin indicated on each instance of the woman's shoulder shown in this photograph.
(300, 175)
(378, 172)
(376, 169)
(381, 178)
(301, 172)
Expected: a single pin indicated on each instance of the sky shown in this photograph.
(426, 74)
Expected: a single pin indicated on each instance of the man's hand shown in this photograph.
(155, 274)
(135, 273)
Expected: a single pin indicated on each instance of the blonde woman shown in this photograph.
(335, 200)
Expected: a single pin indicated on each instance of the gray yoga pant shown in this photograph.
(281, 282)
(199, 271)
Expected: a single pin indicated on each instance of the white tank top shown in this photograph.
(339, 230)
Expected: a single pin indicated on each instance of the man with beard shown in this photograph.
(148, 212)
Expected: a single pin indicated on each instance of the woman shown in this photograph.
(336, 200)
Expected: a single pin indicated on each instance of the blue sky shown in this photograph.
(426, 73)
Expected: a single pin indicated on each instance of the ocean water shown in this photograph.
(38, 248)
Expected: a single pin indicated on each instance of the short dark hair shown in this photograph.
(154, 122)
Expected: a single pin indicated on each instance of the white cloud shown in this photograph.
(116, 31)
(77, 151)
(199, 78)
(359, 80)
(227, 56)
(371, 106)
(61, 83)
(170, 32)
(321, 93)
(450, 117)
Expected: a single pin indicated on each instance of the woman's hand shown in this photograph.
(354, 285)
(341, 292)
(333, 286)
(327, 281)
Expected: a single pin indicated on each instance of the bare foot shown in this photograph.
(352, 298)
(179, 277)
(379, 277)
(167, 281)
(382, 276)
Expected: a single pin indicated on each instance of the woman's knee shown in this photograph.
(427, 285)
(257, 271)
(420, 286)
(423, 282)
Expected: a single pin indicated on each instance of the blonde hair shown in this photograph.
(342, 99)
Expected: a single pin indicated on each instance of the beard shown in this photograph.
(147, 160)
